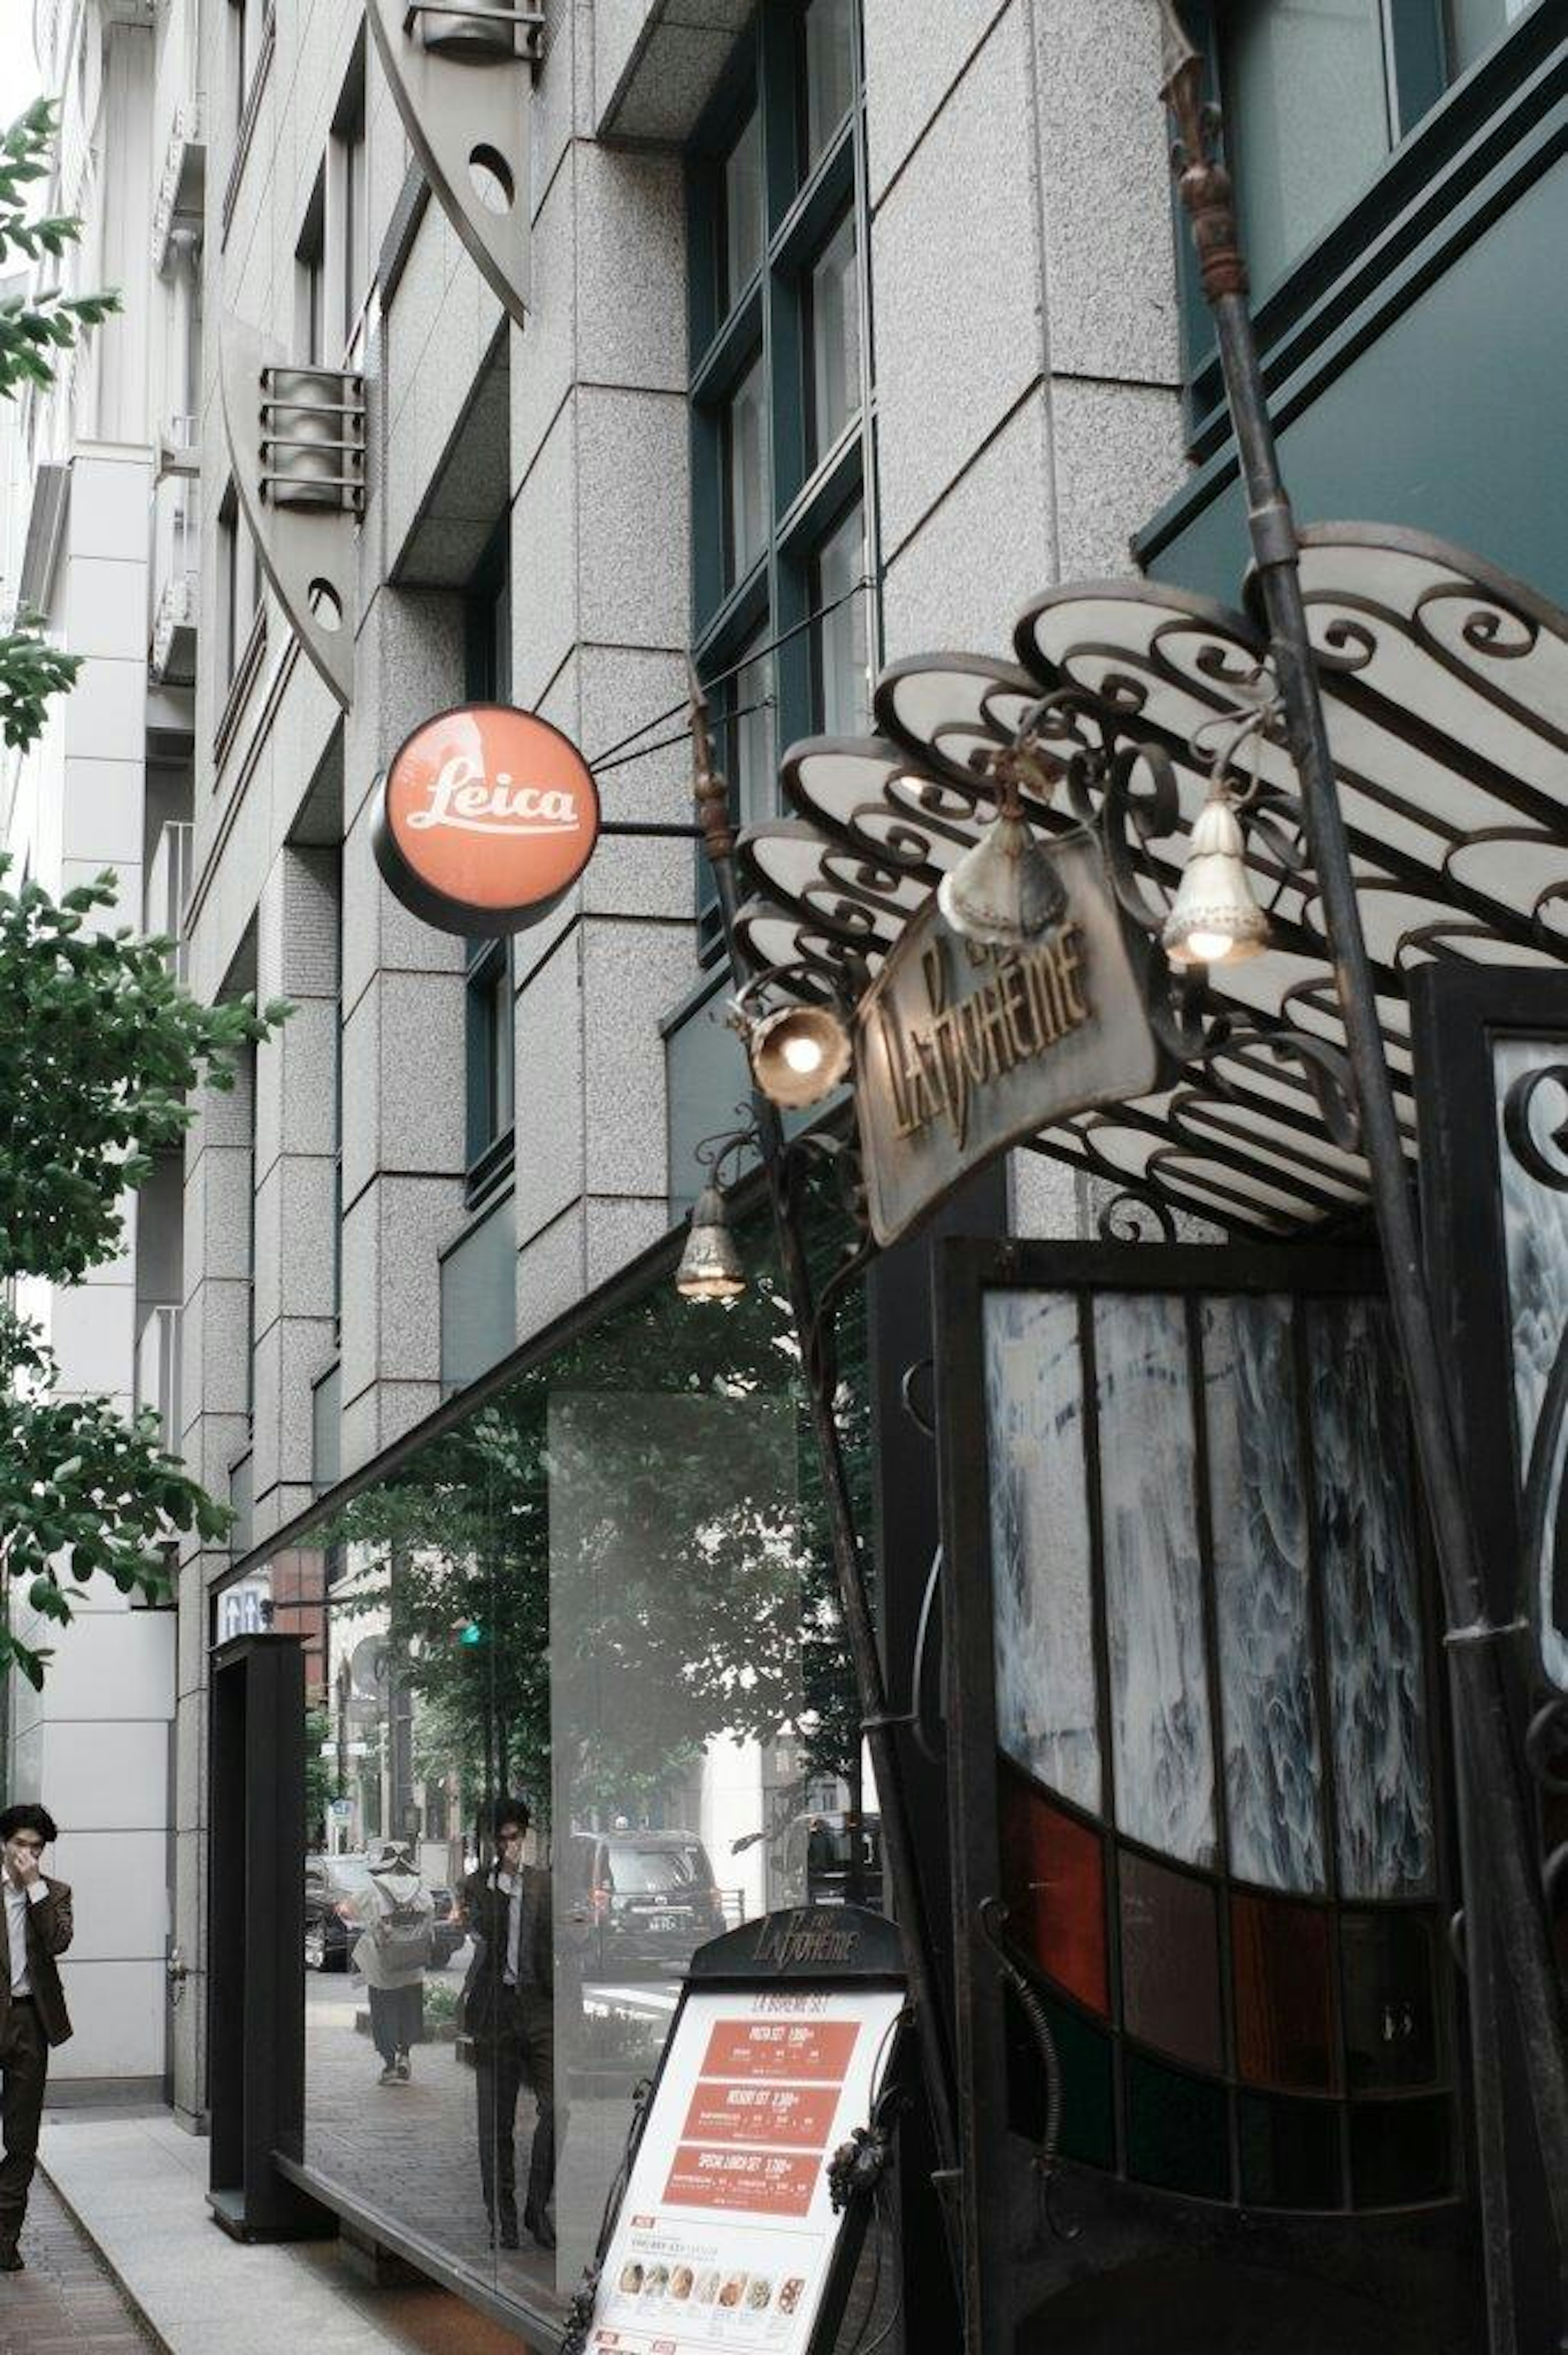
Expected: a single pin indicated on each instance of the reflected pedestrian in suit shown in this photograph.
(508, 2009)
(35, 1929)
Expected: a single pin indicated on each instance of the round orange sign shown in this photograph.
(487, 818)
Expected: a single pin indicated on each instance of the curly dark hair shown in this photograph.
(510, 1811)
(27, 1817)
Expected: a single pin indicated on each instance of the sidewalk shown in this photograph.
(67, 2300)
(137, 2184)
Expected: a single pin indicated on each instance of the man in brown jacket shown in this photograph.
(35, 1927)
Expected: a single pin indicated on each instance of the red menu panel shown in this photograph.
(801, 2114)
(804, 2051)
(758, 2182)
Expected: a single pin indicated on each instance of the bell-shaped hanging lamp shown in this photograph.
(1005, 890)
(1216, 918)
(710, 1266)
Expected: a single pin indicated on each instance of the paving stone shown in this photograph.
(66, 2303)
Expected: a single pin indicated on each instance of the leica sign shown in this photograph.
(487, 817)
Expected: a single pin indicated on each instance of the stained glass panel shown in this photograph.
(1052, 1880)
(1284, 1993)
(1171, 1962)
(1178, 2131)
(1154, 1606)
(1366, 1545)
(1258, 1513)
(1041, 1569)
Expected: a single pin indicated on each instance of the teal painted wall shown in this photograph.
(1453, 421)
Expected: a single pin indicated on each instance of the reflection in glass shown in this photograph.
(843, 686)
(833, 330)
(604, 1600)
(743, 212)
(750, 749)
(744, 430)
(1310, 86)
(1041, 1569)
(1154, 1607)
(1366, 1546)
(829, 75)
(1258, 1516)
(1390, 2000)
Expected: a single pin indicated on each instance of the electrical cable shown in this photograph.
(721, 679)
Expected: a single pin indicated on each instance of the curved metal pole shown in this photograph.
(1490, 1763)
(877, 1723)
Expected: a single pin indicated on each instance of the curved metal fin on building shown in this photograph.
(296, 441)
(461, 78)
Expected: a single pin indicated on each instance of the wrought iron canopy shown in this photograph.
(1446, 687)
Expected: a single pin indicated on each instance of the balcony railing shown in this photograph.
(158, 1373)
(168, 888)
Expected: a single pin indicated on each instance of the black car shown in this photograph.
(639, 1903)
(332, 1930)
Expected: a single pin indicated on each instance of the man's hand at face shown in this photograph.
(23, 1862)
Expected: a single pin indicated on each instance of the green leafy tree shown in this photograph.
(99, 1052)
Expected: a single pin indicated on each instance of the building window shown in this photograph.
(1318, 94)
(310, 281)
(239, 585)
(488, 1003)
(347, 221)
(780, 421)
(246, 19)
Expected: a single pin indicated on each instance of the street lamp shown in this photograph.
(799, 1053)
(1005, 892)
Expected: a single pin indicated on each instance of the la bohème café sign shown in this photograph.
(489, 815)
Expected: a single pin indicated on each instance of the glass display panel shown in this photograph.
(1178, 2130)
(1307, 88)
(1052, 1878)
(746, 473)
(1290, 2152)
(1042, 1570)
(1390, 2000)
(1171, 1962)
(1366, 1549)
(828, 35)
(839, 647)
(744, 214)
(833, 330)
(1257, 1516)
(1282, 1971)
(1400, 2151)
(1535, 1245)
(576, 1702)
(1153, 1571)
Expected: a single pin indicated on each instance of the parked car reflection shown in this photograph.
(640, 1901)
(332, 1883)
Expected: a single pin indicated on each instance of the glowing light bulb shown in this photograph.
(1209, 948)
(803, 1053)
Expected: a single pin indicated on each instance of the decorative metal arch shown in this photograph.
(1446, 688)
(461, 78)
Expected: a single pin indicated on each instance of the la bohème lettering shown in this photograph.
(961, 1051)
(487, 818)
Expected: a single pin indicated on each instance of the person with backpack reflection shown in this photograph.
(393, 1950)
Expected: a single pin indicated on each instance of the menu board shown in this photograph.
(726, 2233)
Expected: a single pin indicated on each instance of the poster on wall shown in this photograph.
(727, 2241)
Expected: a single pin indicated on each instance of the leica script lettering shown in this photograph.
(462, 796)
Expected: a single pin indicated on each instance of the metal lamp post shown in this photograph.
(1495, 1792)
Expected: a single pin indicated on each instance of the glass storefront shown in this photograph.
(595, 1608)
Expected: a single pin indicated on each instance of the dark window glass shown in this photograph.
(839, 638)
(743, 212)
(1178, 2135)
(1284, 1997)
(1171, 1962)
(832, 335)
(1307, 89)
(1088, 2094)
(828, 33)
(1474, 24)
(746, 473)
(1290, 2152)
(1400, 2151)
(749, 730)
(1390, 2000)
(1053, 1870)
